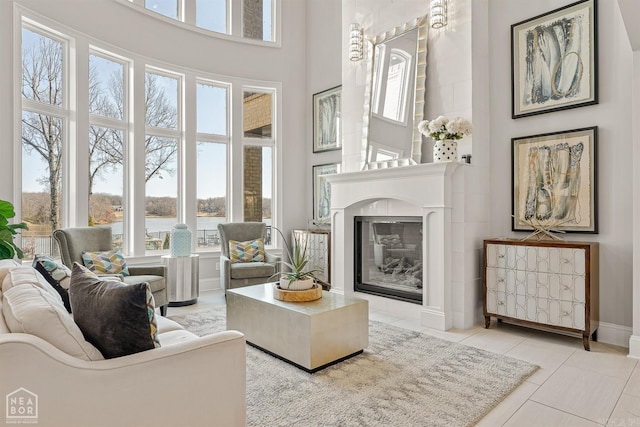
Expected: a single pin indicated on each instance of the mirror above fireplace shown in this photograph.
(395, 96)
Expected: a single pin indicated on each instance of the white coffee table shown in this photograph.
(311, 335)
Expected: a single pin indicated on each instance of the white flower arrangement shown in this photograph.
(442, 128)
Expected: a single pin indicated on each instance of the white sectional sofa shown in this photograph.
(188, 381)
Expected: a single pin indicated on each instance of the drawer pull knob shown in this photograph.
(501, 280)
(566, 288)
(500, 256)
(566, 313)
(500, 302)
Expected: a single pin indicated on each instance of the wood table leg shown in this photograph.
(585, 341)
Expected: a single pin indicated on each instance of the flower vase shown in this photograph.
(445, 150)
(180, 240)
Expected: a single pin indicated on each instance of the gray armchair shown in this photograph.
(73, 241)
(239, 274)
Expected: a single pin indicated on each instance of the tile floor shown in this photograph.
(573, 387)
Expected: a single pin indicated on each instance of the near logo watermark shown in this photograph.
(22, 407)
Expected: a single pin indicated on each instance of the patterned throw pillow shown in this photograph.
(57, 274)
(249, 251)
(105, 262)
(117, 318)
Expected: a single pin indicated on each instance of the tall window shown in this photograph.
(107, 133)
(212, 141)
(169, 8)
(258, 154)
(97, 185)
(390, 83)
(44, 118)
(162, 93)
(257, 19)
(212, 15)
(397, 84)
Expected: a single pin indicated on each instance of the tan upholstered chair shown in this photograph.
(73, 241)
(239, 274)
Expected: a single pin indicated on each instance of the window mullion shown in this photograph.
(77, 172)
(107, 122)
(187, 161)
(42, 108)
(210, 137)
(162, 132)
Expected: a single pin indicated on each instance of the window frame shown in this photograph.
(62, 112)
(234, 20)
(262, 142)
(78, 121)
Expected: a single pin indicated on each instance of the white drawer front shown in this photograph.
(561, 260)
(567, 288)
(496, 279)
(496, 302)
(502, 304)
(561, 313)
(510, 257)
(496, 255)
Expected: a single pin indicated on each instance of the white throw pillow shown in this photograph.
(29, 309)
(5, 266)
(27, 275)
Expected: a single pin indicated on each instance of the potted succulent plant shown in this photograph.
(300, 275)
(8, 248)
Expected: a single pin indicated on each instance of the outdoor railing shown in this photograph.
(45, 245)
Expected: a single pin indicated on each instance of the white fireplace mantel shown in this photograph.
(432, 191)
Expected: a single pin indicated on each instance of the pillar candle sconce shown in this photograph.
(438, 12)
(356, 37)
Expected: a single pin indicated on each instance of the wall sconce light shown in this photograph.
(355, 42)
(438, 13)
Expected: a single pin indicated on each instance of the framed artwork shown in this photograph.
(554, 60)
(322, 190)
(554, 181)
(327, 135)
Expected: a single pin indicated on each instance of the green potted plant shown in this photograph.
(8, 248)
(299, 276)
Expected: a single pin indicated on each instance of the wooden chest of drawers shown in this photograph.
(550, 284)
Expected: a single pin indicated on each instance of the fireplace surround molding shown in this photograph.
(426, 190)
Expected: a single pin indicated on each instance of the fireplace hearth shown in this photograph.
(388, 257)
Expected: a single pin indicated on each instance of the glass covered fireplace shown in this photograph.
(388, 257)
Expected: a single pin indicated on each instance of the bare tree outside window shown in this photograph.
(42, 133)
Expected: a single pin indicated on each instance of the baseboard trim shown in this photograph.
(210, 284)
(434, 319)
(610, 333)
(634, 346)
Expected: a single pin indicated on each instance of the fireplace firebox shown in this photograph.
(388, 257)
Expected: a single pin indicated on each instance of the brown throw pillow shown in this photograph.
(117, 318)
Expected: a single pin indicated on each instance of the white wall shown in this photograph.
(615, 164)
(324, 71)
(475, 83)
(630, 10)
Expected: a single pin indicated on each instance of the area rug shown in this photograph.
(404, 378)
